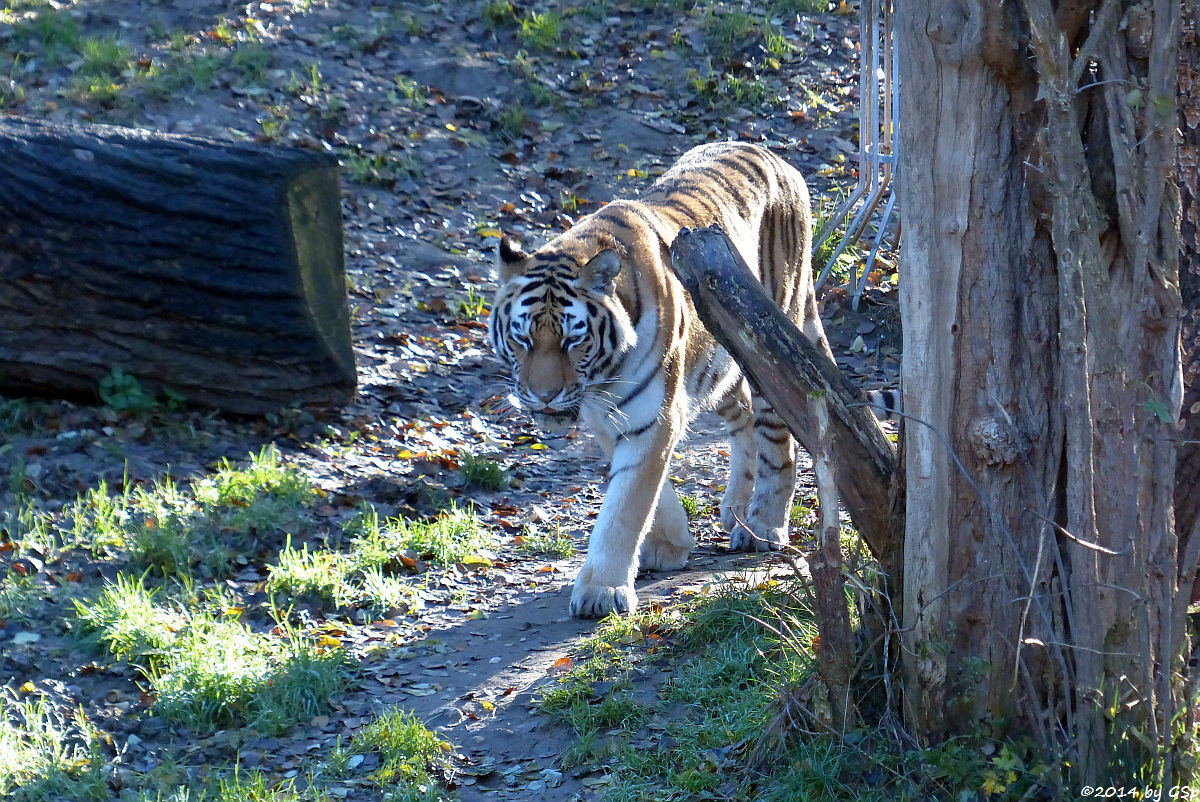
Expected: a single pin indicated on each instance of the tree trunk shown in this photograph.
(1039, 303)
(1187, 473)
(212, 269)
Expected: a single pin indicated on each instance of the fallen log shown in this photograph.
(211, 269)
(790, 371)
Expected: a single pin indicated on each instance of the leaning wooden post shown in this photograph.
(213, 269)
(785, 367)
(835, 655)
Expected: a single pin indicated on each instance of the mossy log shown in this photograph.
(212, 269)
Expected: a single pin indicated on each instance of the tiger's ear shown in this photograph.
(600, 274)
(510, 259)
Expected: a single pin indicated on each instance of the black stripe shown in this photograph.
(638, 431)
(759, 423)
(736, 195)
(744, 162)
(641, 386)
(771, 438)
(678, 205)
(773, 466)
(613, 474)
(739, 429)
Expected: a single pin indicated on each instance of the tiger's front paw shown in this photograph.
(762, 538)
(598, 599)
(733, 511)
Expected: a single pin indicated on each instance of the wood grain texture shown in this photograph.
(214, 269)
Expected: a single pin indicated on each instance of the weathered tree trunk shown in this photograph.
(1040, 302)
(213, 269)
(1187, 473)
(786, 368)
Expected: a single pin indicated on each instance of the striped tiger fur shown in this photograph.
(594, 325)
(884, 403)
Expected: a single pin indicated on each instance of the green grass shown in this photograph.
(263, 490)
(15, 415)
(377, 169)
(221, 674)
(473, 306)
(546, 541)
(726, 93)
(484, 473)
(497, 13)
(254, 786)
(49, 36)
(725, 673)
(694, 507)
(362, 578)
(452, 537)
(45, 754)
(779, 7)
(300, 572)
(737, 687)
(730, 32)
(207, 669)
(512, 121)
(407, 752)
(160, 527)
(18, 597)
(541, 31)
(852, 255)
(124, 618)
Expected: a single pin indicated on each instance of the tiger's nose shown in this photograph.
(545, 396)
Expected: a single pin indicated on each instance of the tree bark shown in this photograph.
(212, 269)
(1187, 472)
(786, 368)
(1040, 302)
(978, 301)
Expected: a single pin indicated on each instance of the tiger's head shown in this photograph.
(557, 325)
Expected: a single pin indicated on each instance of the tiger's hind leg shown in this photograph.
(734, 409)
(669, 540)
(766, 524)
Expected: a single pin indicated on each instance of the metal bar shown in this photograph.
(878, 143)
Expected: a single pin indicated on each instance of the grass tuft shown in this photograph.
(484, 473)
(126, 620)
(546, 541)
(541, 31)
(454, 536)
(45, 754)
(407, 751)
(221, 674)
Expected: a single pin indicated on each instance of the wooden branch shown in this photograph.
(786, 367)
(836, 656)
(213, 269)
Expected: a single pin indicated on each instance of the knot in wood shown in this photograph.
(994, 442)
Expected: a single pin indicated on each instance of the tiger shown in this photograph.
(595, 327)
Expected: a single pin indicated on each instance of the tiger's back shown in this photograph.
(594, 325)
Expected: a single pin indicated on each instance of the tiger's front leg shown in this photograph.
(639, 468)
